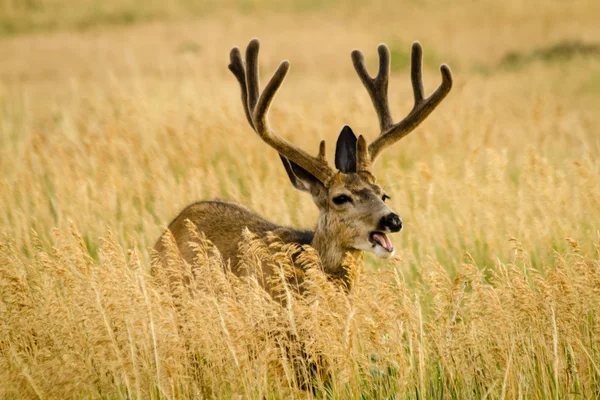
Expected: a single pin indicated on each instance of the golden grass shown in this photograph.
(496, 289)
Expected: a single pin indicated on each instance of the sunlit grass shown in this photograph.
(107, 132)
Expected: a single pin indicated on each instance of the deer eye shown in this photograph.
(385, 197)
(341, 199)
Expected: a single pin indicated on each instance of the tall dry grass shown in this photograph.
(75, 327)
(495, 291)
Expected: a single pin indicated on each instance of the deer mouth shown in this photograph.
(378, 238)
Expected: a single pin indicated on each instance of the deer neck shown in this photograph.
(331, 251)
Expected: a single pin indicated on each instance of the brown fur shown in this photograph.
(337, 230)
(223, 223)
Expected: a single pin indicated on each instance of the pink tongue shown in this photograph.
(383, 240)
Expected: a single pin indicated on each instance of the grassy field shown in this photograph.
(115, 116)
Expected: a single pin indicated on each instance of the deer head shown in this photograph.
(353, 213)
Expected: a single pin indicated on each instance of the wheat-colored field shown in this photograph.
(114, 116)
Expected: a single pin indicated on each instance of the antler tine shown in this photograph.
(422, 107)
(252, 72)
(376, 87)
(256, 106)
(238, 69)
(416, 72)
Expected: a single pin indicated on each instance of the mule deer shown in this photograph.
(353, 214)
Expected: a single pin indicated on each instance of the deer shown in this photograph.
(353, 214)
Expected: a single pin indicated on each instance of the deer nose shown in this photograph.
(392, 222)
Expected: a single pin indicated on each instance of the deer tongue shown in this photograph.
(383, 240)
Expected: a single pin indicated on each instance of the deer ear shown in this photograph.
(300, 178)
(345, 151)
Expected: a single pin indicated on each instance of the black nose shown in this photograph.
(392, 222)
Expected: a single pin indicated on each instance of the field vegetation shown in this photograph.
(115, 116)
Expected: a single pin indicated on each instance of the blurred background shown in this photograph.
(116, 114)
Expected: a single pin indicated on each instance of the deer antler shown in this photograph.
(256, 106)
(378, 91)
